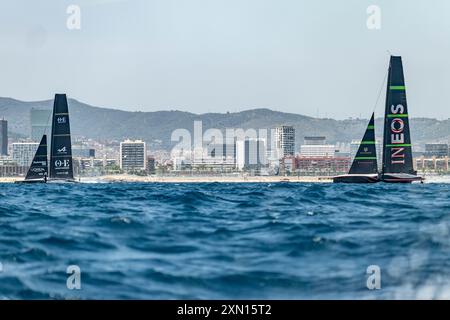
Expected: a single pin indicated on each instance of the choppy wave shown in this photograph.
(224, 241)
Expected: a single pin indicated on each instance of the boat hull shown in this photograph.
(400, 178)
(357, 178)
(30, 181)
(61, 181)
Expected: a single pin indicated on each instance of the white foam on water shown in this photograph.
(92, 180)
(432, 289)
(437, 179)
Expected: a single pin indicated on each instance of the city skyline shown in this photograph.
(217, 56)
(224, 155)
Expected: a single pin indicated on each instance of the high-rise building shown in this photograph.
(3, 137)
(285, 141)
(251, 154)
(133, 155)
(23, 152)
(40, 123)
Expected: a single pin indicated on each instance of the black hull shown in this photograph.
(62, 181)
(400, 178)
(356, 179)
(29, 181)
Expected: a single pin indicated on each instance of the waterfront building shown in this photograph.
(211, 164)
(325, 150)
(322, 166)
(285, 141)
(12, 170)
(133, 155)
(214, 157)
(432, 165)
(288, 165)
(316, 147)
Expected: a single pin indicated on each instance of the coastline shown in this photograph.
(211, 179)
(124, 178)
(191, 179)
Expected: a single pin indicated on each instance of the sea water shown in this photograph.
(224, 241)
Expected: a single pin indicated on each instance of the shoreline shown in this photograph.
(124, 178)
(212, 179)
(190, 179)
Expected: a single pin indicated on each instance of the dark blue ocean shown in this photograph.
(224, 241)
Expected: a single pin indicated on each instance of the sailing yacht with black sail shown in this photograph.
(38, 171)
(364, 168)
(397, 149)
(61, 166)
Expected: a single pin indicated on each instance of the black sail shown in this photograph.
(61, 166)
(397, 151)
(39, 165)
(365, 161)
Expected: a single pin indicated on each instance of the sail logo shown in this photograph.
(39, 163)
(37, 170)
(61, 120)
(397, 135)
(62, 150)
(62, 164)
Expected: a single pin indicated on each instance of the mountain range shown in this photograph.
(106, 124)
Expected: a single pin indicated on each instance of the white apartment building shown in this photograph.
(317, 151)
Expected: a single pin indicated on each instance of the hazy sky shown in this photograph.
(314, 57)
